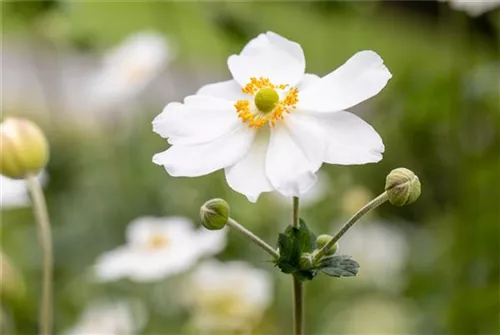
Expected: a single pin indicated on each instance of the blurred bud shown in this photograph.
(323, 240)
(12, 285)
(214, 214)
(306, 261)
(24, 148)
(402, 187)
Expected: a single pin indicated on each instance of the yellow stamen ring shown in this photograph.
(266, 99)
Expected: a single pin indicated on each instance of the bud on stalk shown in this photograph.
(24, 148)
(323, 240)
(402, 187)
(214, 214)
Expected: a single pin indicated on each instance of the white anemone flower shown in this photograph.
(129, 68)
(474, 7)
(157, 248)
(14, 192)
(110, 318)
(272, 126)
(231, 296)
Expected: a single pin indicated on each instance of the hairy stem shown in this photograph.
(298, 306)
(45, 241)
(252, 237)
(298, 289)
(368, 207)
(295, 222)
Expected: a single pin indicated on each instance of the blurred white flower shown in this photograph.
(378, 316)
(474, 7)
(381, 251)
(157, 248)
(116, 318)
(273, 125)
(14, 192)
(231, 296)
(128, 68)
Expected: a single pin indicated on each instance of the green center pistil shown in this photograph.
(266, 99)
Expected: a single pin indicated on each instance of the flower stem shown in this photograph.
(298, 306)
(45, 241)
(252, 237)
(368, 207)
(298, 292)
(295, 222)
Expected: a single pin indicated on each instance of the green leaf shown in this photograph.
(292, 243)
(289, 253)
(305, 274)
(339, 266)
(306, 238)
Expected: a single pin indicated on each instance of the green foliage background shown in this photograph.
(439, 116)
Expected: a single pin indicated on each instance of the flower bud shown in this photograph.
(402, 187)
(323, 240)
(24, 148)
(306, 261)
(214, 214)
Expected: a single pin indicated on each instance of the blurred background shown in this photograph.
(93, 75)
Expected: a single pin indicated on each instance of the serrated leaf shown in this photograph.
(286, 267)
(339, 266)
(306, 238)
(292, 244)
(289, 250)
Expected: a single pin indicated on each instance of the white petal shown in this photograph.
(210, 242)
(296, 150)
(293, 48)
(200, 119)
(474, 8)
(270, 56)
(147, 267)
(202, 159)
(350, 139)
(228, 90)
(248, 176)
(113, 265)
(360, 78)
(308, 80)
(140, 231)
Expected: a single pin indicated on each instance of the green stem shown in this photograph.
(298, 306)
(368, 207)
(252, 237)
(298, 289)
(295, 222)
(45, 241)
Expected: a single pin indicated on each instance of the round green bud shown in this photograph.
(306, 261)
(266, 99)
(24, 148)
(323, 240)
(214, 214)
(402, 187)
